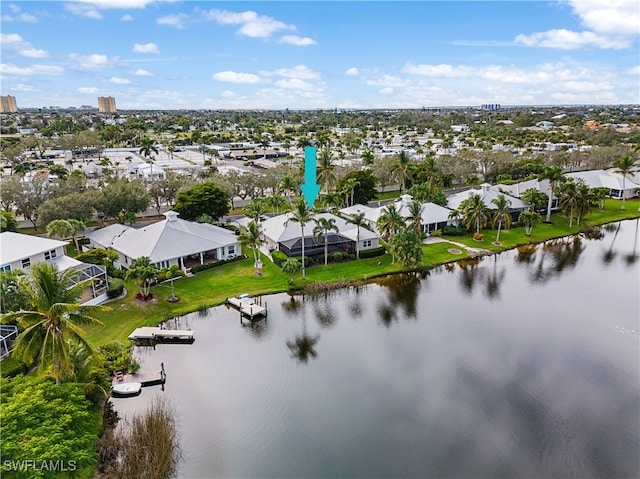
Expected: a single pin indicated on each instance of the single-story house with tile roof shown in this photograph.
(168, 242)
(608, 179)
(488, 193)
(517, 189)
(283, 235)
(433, 216)
(19, 251)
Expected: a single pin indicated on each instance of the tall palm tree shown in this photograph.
(288, 184)
(555, 175)
(501, 214)
(333, 200)
(53, 321)
(401, 169)
(147, 148)
(624, 165)
(323, 227)
(415, 216)
(326, 170)
(256, 210)
(474, 212)
(390, 221)
(303, 215)
(432, 171)
(585, 201)
(568, 199)
(359, 221)
(367, 157)
(60, 228)
(349, 190)
(251, 238)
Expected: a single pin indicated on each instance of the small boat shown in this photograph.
(126, 389)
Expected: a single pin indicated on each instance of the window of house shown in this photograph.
(26, 262)
(366, 243)
(50, 254)
(5, 269)
(231, 249)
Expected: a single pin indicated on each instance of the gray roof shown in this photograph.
(518, 188)
(171, 238)
(17, 246)
(607, 179)
(431, 212)
(278, 230)
(105, 236)
(488, 194)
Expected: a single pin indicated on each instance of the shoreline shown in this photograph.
(156, 312)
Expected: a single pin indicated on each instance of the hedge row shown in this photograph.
(116, 286)
(372, 253)
(203, 267)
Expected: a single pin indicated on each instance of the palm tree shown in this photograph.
(59, 170)
(349, 189)
(60, 228)
(401, 168)
(291, 266)
(624, 165)
(326, 173)
(359, 221)
(555, 176)
(390, 221)
(501, 215)
(569, 199)
(432, 172)
(323, 227)
(585, 201)
(143, 270)
(474, 212)
(528, 219)
(287, 185)
(333, 200)
(415, 216)
(251, 238)
(256, 210)
(303, 215)
(367, 157)
(54, 319)
(147, 147)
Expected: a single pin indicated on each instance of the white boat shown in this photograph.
(126, 389)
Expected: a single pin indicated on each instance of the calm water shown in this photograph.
(516, 366)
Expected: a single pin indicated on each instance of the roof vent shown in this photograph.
(171, 215)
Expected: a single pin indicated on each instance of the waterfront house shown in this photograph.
(488, 194)
(19, 251)
(168, 242)
(283, 235)
(609, 179)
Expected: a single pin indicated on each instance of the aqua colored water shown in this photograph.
(516, 366)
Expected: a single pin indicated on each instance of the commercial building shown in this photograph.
(8, 104)
(106, 104)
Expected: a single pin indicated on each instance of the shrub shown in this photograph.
(279, 257)
(372, 253)
(352, 256)
(337, 256)
(12, 367)
(203, 267)
(116, 286)
(454, 231)
(436, 233)
(478, 236)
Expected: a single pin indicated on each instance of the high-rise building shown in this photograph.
(106, 104)
(8, 104)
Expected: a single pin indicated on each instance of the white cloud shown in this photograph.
(106, 4)
(251, 24)
(9, 69)
(353, 71)
(634, 70)
(297, 41)
(93, 62)
(83, 10)
(227, 94)
(387, 81)
(610, 25)
(296, 84)
(613, 17)
(119, 81)
(302, 72)
(18, 15)
(386, 91)
(441, 70)
(235, 77)
(126, 18)
(15, 42)
(146, 48)
(568, 40)
(23, 87)
(178, 21)
(141, 73)
(88, 90)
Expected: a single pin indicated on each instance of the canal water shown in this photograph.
(524, 364)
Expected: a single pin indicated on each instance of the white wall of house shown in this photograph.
(368, 244)
(35, 259)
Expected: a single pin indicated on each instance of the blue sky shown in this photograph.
(298, 55)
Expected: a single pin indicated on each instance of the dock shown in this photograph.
(147, 378)
(247, 308)
(162, 335)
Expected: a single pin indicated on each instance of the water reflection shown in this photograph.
(302, 348)
(401, 300)
(609, 254)
(632, 257)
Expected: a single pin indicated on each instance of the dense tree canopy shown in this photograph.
(205, 198)
(365, 190)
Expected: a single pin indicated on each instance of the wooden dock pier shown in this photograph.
(147, 378)
(162, 335)
(248, 308)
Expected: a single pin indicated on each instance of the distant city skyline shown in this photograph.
(305, 55)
